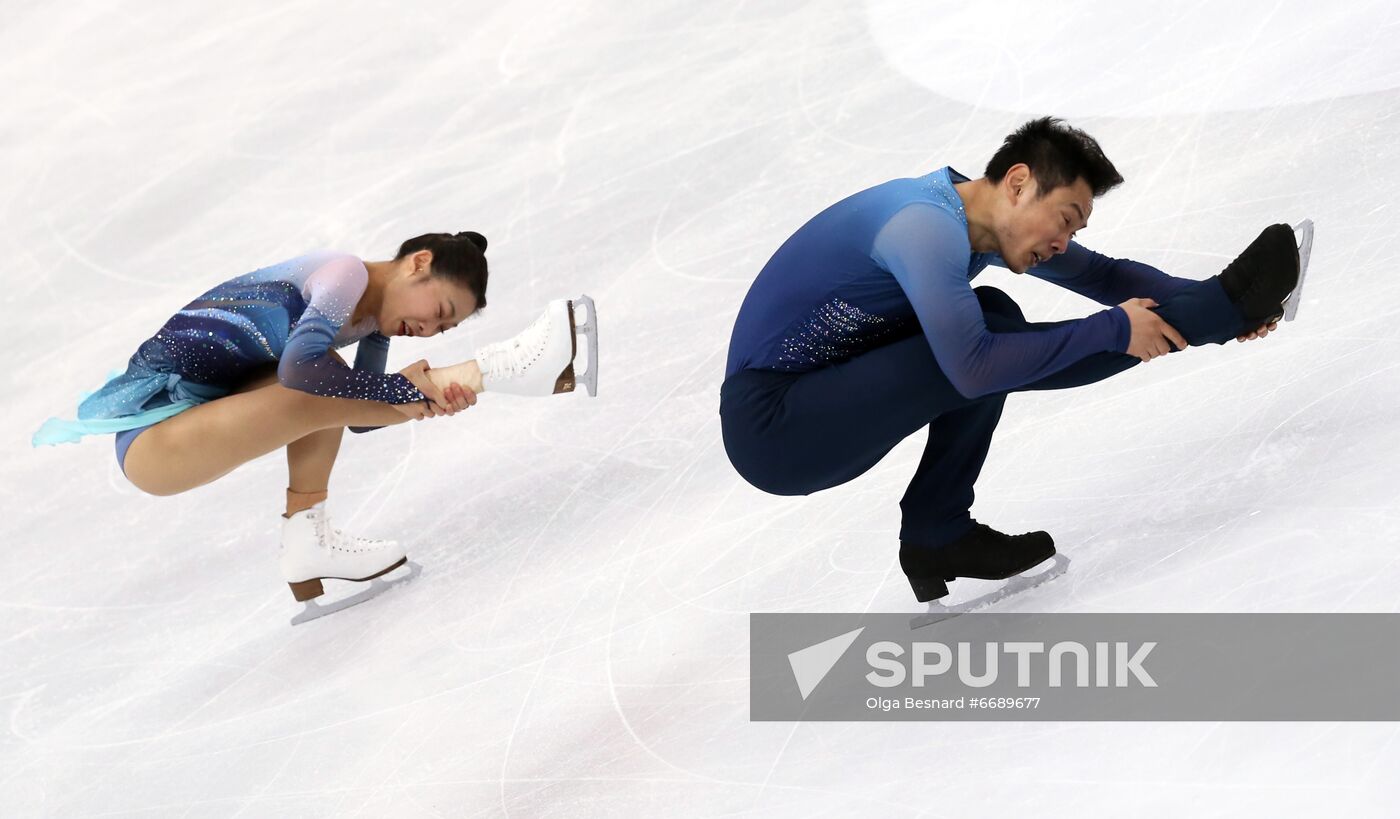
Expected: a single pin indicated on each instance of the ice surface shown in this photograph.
(577, 643)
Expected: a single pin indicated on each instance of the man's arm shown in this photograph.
(927, 252)
(1104, 279)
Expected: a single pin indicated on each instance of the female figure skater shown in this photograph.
(864, 328)
(248, 368)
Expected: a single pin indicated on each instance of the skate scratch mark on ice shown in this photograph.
(767, 517)
(393, 479)
(544, 526)
(158, 684)
(372, 791)
(609, 662)
(21, 702)
(297, 707)
(406, 757)
(613, 624)
(778, 559)
(1239, 419)
(1371, 579)
(1175, 218)
(214, 644)
(1143, 570)
(656, 241)
(744, 541)
(58, 608)
(1378, 757)
(248, 622)
(817, 126)
(1318, 400)
(248, 801)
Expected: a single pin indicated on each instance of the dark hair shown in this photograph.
(458, 257)
(1057, 155)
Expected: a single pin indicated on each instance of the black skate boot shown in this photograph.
(1261, 277)
(984, 553)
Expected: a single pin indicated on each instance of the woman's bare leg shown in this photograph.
(210, 440)
(309, 459)
(468, 374)
(309, 463)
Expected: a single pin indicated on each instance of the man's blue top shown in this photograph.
(881, 263)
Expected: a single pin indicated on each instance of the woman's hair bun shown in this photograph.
(474, 237)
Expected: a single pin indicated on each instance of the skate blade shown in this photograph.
(589, 329)
(1303, 231)
(938, 612)
(377, 586)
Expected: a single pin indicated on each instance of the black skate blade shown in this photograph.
(377, 586)
(938, 612)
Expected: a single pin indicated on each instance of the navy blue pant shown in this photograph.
(798, 433)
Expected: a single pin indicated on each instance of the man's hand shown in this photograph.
(1150, 333)
(1259, 333)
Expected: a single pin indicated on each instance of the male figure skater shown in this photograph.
(864, 328)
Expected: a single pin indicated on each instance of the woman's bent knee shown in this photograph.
(154, 464)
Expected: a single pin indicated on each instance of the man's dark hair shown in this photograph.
(457, 257)
(1057, 155)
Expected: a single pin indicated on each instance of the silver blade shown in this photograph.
(938, 612)
(377, 586)
(589, 329)
(1303, 231)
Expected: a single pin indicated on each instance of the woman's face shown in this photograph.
(419, 304)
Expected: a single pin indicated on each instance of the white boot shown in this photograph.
(313, 550)
(540, 360)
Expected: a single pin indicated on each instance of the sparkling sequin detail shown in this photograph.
(289, 314)
(833, 332)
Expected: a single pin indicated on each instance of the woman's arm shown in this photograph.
(332, 292)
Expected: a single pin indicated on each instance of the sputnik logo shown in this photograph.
(810, 665)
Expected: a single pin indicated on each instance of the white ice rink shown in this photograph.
(578, 641)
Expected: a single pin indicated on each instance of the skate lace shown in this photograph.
(512, 357)
(341, 541)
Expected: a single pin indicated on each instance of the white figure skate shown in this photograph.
(540, 359)
(1303, 232)
(313, 550)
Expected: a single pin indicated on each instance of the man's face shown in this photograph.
(1035, 228)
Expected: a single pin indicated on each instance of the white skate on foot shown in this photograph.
(1303, 233)
(313, 550)
(540, 360)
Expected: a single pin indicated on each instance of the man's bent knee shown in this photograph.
(994, 300)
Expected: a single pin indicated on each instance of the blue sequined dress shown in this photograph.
(291, 313)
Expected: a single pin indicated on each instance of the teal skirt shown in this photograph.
(138, 397)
